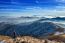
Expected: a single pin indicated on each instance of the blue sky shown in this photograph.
(32, 7)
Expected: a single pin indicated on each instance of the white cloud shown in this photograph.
(35, 11)
(61, 1)
(58, 33)
(60, 8)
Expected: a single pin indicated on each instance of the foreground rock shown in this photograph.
(26, 39)
(57, 37)
(5, 39)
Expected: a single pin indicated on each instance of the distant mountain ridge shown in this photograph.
(34, 29)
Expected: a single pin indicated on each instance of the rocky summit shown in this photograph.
(28, 39)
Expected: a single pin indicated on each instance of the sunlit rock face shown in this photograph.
(29, 39)
(5, 39)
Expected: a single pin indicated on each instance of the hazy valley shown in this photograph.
(39, 29)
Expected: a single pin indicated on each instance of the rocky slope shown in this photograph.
(27, 39)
